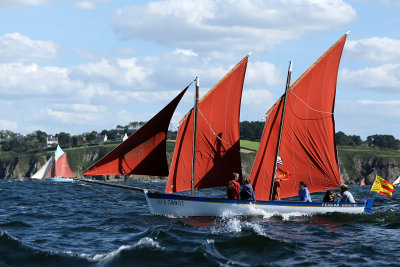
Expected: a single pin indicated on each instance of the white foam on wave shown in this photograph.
(235, 225)
(145, 242)
(253, 210)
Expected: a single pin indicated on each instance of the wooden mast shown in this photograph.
(196, 100)
(280, 130)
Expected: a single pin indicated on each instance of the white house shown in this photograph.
(121, 137)
(51, 140)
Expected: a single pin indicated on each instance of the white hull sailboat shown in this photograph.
(299, 130)
(181, 206)
(56, 169)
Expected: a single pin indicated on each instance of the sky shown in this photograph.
(81, 65)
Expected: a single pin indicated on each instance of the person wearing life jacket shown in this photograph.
(233, 187)
(247, 192)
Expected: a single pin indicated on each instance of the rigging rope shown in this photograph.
(320, 111)
(212, 130)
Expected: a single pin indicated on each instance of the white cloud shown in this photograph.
(120, 72)
(15, 47)
(107, 92)
(89, 5)
(385, 77)
(367, 117)
(375, 49)
(206, 24)
(185, 52)
(21, 3)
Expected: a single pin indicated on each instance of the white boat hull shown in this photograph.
(183, 206)
(59, 180)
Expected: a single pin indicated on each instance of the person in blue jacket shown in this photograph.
(304, 195)
(247, 192)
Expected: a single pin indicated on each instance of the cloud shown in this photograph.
(383, 78)
(16, 47)
(89, 5)
(123, 72)
(206, 24)
(21, 3)
(110, 91)
(382, 50)
(366, 117)
(185, 52)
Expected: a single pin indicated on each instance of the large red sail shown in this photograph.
(217, 146)
(62, 167)
(144, 152)
(308, 144)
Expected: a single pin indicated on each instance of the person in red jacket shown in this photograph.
(233, 187)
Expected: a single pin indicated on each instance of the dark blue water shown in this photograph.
(43, 224)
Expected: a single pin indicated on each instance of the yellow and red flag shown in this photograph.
(281, 174)
(383, 187)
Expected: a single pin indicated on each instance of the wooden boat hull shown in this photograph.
(59, 180)
(182, 206)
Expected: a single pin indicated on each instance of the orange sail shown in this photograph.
(62, 167)
(308, 144)
(144, 152)
(217, 146)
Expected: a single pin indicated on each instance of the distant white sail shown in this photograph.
(397, 182)
(42, 172)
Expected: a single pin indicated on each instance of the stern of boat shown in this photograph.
(368, 205)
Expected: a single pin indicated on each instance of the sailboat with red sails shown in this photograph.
(56, 169)
(299, 130)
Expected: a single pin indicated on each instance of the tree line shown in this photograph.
(249, 130)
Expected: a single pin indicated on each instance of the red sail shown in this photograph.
(62, 167)
(308, 144)
(217, 146)
(144, 152)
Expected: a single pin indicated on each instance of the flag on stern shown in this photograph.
(383, 187)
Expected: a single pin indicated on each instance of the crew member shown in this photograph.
(247, 192)
(233, 187)
(304, 194)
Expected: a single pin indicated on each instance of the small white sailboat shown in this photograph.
(207, 149)
(56, 169)
(397, 182)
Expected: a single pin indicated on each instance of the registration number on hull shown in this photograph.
(171, 202)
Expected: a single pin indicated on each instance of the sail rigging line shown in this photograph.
(134, 188)
(212, 130)
(308, 70)
(126, 203)
(313, 109)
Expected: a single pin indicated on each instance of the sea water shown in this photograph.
(45, 224)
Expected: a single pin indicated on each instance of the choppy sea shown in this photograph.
(44, 224)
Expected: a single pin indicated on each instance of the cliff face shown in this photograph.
(354, 165)
(368, 167)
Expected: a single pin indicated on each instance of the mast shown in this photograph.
(196, 100)
(280, 129)
(55, 166)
